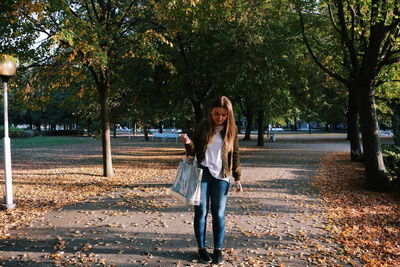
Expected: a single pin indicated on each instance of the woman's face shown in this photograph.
(219, 115)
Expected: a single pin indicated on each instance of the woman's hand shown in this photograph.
(238, 186)
(184, 138)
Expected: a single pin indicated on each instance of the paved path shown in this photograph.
(277, 221)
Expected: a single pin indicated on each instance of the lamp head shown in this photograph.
(8, 66)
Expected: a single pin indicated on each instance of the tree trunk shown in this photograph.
(248, 111)
(115, 130)
(105, 133)
(239, 124)
(146, 133)
(376, 176)
(260, 119)
(198, 111)
(294, 124)
(160, 127)
(309, 127)
(249, 118)
(353, 129)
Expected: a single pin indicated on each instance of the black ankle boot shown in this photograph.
(203, 255)
(218, 257)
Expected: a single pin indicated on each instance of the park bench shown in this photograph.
(165, 136)
(386, 132)
(277, 130)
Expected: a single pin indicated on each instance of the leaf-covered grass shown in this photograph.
(366, 223)
(51, 176)
(50, 172)
(57, 171)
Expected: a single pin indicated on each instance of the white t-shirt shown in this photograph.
(213, 155)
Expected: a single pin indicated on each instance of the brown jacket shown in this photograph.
(230, 159)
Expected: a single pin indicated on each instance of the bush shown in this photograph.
(30, 133)
(63, 133)
(391, 157)
(15, 132)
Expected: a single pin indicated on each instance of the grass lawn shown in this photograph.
(40, 141)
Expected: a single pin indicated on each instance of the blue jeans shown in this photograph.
(215, 190)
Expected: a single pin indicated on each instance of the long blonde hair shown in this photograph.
(229, 124)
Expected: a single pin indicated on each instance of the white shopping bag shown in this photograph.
(186, 186)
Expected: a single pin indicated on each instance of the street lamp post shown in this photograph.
(7, 69)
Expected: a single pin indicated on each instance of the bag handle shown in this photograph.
(190, 161)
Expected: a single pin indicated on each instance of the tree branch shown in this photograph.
(362, 37)
(349, 44)
(333, 22)
(378, 32)
(89, 13)
(95, 11)
(314, 57)
(38, 63)
(108, 10)
(351, 10)
(387, 51)
(392, 60)
(125, 13)
(95, 76)
(321, 47)
(182, 50)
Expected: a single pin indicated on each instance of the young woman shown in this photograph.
(215, 145)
